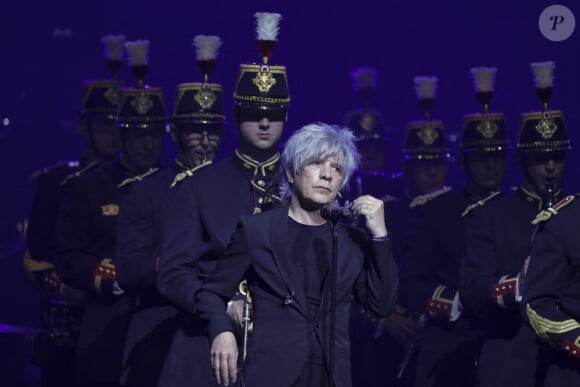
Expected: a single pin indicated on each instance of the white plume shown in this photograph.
(425, 87)
(364, 78)
(543, 74)
(206, 47)
(483, 78)
(113, 46)
(267, 25)
(138, 52)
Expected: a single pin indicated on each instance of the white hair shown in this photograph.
(315, 142)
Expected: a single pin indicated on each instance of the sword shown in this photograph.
(411, 350)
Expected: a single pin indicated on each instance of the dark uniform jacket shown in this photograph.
(280, 344)
(40, 236)
(202, 214)
(551, 293)
(86, 237)
(41, 233)
(154, 321)
(430, 281)
(61, 313)
(498, 241)
(433, 253)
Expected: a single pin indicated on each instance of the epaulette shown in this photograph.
(130, 180)
(479, 203)
(78, 173)
(423, 199)
(40, 172)
(388, 198)
(188, 172)
(547, 213)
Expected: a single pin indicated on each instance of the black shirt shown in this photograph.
(311, 254)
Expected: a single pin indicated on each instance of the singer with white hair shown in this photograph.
(286, 256)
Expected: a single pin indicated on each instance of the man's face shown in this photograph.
(198, 142)
(317, 183)
(261, 129)
(543, 167)
(143, 146)
(485, 169)
(425, 176)
(105, 138)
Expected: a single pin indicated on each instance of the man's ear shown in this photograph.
(289, 175)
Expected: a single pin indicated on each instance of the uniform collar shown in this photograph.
(268, 167)
(129, 172)
(535, 199)
(475, 196)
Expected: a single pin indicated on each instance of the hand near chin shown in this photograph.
(374, 213)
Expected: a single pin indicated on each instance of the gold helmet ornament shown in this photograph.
(263, 86)
(100, 98)
(366, 122)
(201, 102)
(543, 131)
(425, 139)
(484, 131)
(142, 106)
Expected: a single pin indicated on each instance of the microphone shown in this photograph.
(335, 213)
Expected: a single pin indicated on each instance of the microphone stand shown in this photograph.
(333, 215)
(333, 274)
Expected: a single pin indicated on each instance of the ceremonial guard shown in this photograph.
(203, 210)
(87, 228)
(551, 290)
(431, 264)
(498, 244)
(198, 125)
(370, 177)
(54, 351)
(425, 154)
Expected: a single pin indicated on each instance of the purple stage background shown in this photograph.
(49, 47)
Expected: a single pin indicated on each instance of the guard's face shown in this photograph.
(198, 142)
(486, 169)
(316, 184)
(143, 146)
(261, 129)
(542, 167)
(426, 176)
(106, 138)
